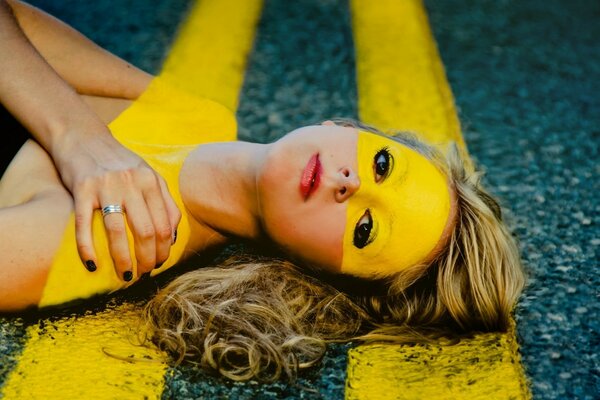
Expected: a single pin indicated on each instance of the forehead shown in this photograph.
(409, 208)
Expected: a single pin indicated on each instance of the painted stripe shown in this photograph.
(209, 59)
(485, 367)
(402, 85)
(67, 358)
(400, 76)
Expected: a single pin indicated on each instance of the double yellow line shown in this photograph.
(401, 85)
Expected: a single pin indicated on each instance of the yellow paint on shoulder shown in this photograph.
(400, 76)
(68, 359)
(209, 58)
(402, 86)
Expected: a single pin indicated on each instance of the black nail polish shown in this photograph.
(90, 265)
(158, 265)
(175, 236)
(127, 276)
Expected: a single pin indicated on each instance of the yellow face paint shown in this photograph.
(407, 208)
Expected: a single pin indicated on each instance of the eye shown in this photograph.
(383, 163)
(362, 231)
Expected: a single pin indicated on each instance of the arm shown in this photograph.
(29, 86)
(92, 164)
(85, 66)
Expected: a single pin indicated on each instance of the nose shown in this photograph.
(346, 185)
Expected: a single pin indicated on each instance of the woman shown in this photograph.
(391, 241)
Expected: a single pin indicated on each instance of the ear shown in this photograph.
(328, 123)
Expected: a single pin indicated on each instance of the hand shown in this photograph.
(99, 171)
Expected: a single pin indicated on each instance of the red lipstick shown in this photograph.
(311, 176)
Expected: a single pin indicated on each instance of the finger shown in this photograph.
(172, 209)
(162, 226)
(118, 244)
(84, 211)
(144, 233)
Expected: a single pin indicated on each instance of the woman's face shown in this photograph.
(350, 201)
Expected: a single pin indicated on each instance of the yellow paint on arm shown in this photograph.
(402, 86)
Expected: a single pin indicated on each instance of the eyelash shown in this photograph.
(366, 227)
(360, 240)
(389, 162)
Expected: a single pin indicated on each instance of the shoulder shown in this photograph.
(164, 114)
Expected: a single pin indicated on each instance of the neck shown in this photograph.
(218, 187)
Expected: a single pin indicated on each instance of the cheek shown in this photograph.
(313, 235)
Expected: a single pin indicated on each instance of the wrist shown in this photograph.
(67, 137)
(73, 149)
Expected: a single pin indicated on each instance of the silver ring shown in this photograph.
(111, 208)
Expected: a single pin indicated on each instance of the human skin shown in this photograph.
(234, 189)
(264, 180)
(230, 190)
(316, 228)
(235, 208)
(46, 67)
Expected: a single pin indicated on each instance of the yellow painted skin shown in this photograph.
(81, 343)
(67, 358)
(162, 126)
(402, 85)
(409, 209)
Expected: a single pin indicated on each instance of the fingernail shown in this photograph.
(175, 236)
(90, 265)
(127, 276)
(159, 265)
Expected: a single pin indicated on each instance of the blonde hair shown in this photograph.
(262, 318)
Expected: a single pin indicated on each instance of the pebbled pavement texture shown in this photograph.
(525, 74)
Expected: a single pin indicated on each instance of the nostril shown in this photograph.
(343, 190)
(346, 173)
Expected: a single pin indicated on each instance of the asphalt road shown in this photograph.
(525, 75)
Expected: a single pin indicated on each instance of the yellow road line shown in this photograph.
(67, 358)
(209, 59)
(400, 76)
(402, 85)
(483, 368)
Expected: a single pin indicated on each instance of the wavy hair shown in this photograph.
(261, 318)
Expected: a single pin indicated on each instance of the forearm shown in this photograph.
(34, 93)
(87, 67)
(96, 168)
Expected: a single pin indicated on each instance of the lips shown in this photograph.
(311, 176)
